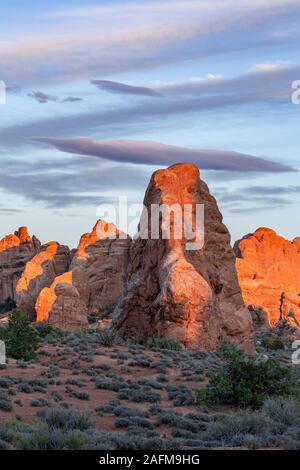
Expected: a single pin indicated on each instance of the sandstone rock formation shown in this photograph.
(99, 265)
(40, 272)
(61, 305)
(268, 269)
(190, 295)
(15, 251)
(97, 275)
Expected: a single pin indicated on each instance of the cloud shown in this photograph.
(62, 183)
(273, 190)
(268, 67)
(42, 97)
(154, 153)
(261, 198)
(117, 40)
(262, 83)
(122, 88)
(9, 210)
(187, 97)
(71, 99)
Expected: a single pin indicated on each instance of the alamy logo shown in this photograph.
(2, 353)
(296, 353)
(2, 92)
(296, 93)
(157, 222)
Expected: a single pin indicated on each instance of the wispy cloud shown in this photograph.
(263, 82)
(64, 182)
(123, 88)
(251, 197)
(106, 46)
(42, 97)
(189, 97)
(155, 153)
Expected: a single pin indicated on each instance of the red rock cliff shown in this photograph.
(15, 251)
(268, 268)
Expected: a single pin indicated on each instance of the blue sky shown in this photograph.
(207, 81)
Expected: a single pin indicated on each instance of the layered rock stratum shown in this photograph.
(173, 292)
(15, 251)
(268, 269)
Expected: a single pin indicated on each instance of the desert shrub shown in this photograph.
(272, 342)
(40, 402)
(133, 421)
(53, 371)
(56, 396)
(5, 404)
(180, 395)
(77, 393)
(21, 340)
(285, 411)
(77, 382)
(165, 343)
(291, 439)
(22, 364)
(106, 337)
(65, 419)
(177, 421)
(25, 387)
(46, 331)
(6, 382)
(246, 381)
(138, 396)
(42, 437)
(143, 361)
(107, 383)
(248, 429)
(151, 383)
(3, 445)
(125, 412)
(76, 440)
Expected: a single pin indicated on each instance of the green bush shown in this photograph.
(272, 342)
(46, 331)
(8, 305)
(21, 340)
(165, 343)
(247, 381)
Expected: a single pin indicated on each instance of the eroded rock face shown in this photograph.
(189, 295)
(61, 305)
(99, 266)
(97, 273)
(40, 272)
(15, 251)
(268, 268)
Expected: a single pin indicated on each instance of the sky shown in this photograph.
(101, 94)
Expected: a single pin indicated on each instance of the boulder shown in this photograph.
(64, 307)
(40, 272)
(268, 269)
(177, 287)
(15, 252)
